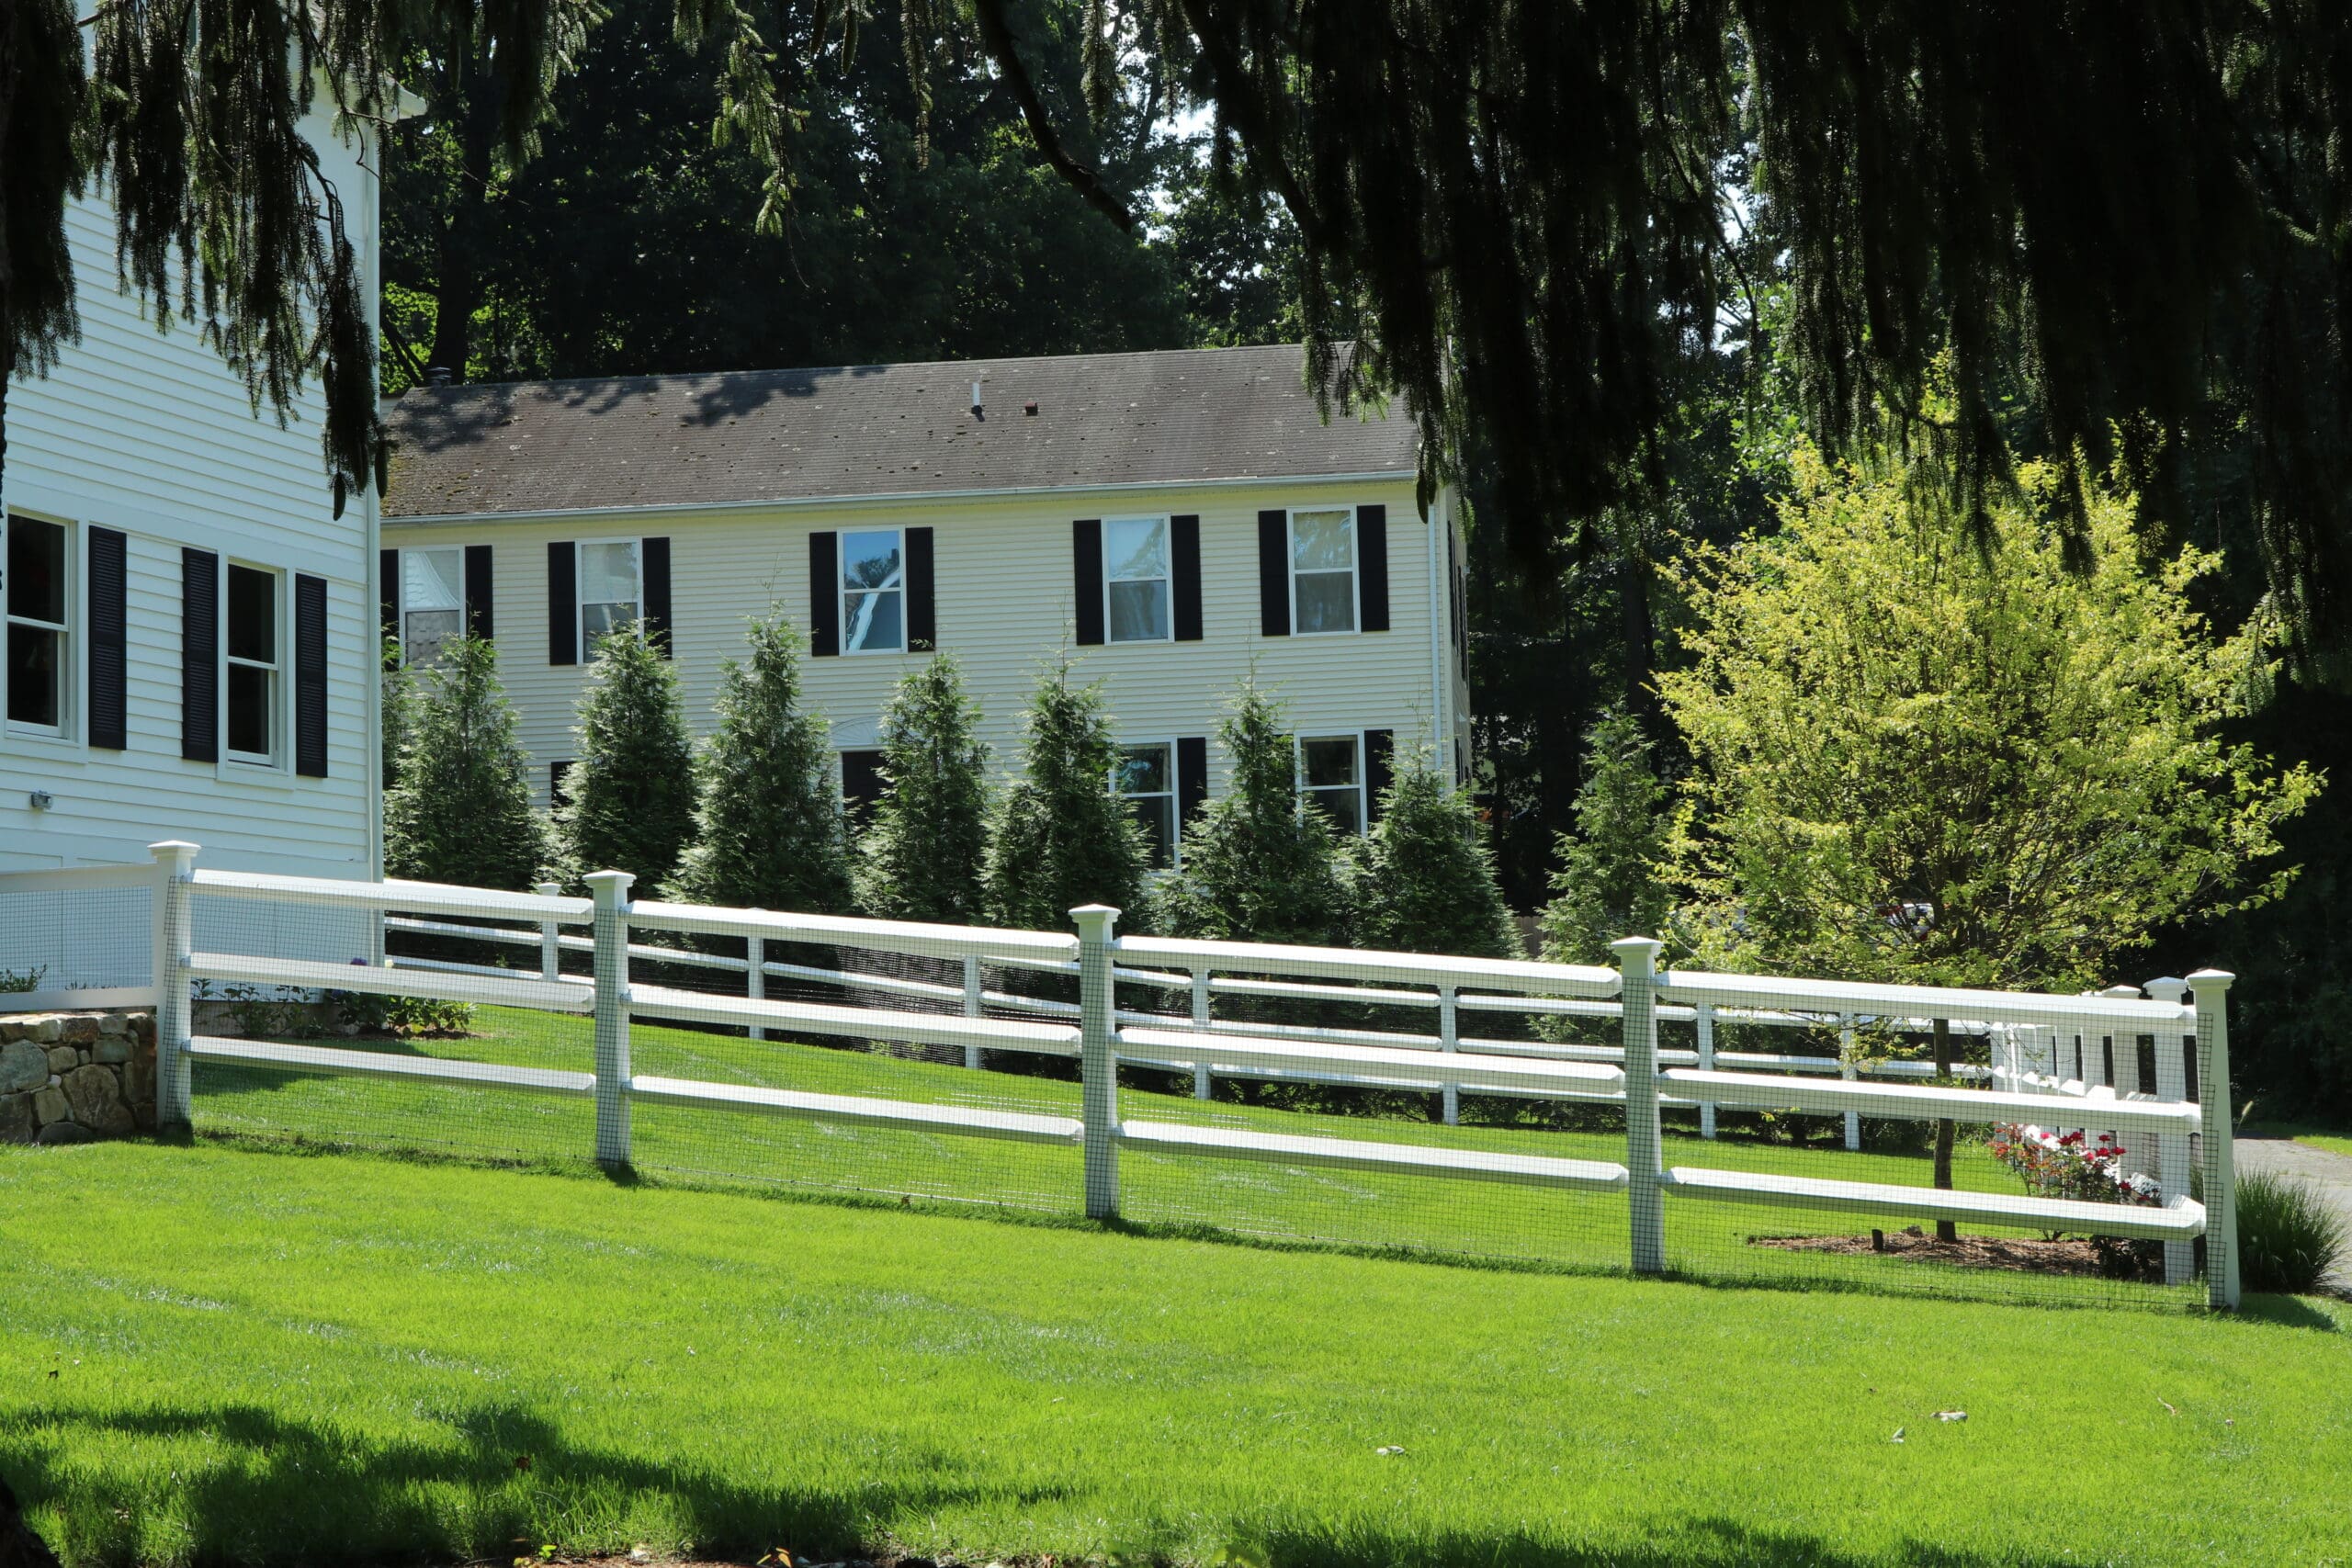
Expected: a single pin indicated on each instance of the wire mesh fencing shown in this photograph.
(1790, 1132)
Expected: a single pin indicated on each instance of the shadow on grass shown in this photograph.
(493, 1483)
(2293, 1311)
(1711, 1542)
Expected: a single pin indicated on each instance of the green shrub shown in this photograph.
(1427, 879)
(365, 1012)
(2288, 1237)
(921, 857)
(22, 979)
(1608, 884)
(1059, 838)
(461, 807)
(632, 784)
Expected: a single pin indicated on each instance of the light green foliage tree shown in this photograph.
(632, 783)
(1059, 838)
(461, 807)
(1258, 866)
(922, 855)
(1612, 881)
(768, 830)
(1426, 883)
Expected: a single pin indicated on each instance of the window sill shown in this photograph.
(269, 775)
(52, 749)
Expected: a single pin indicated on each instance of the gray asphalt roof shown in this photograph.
(753, 435)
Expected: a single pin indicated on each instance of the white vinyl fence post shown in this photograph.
(1637, 966)
(972, 1006)
(551, 937)
(1706, 1064)
(1449, 1040)
(2212, 990)
(174, 936)
(1845, 1070)
(1203, 1087)
(2172, 1148)
(1098, 1062)
(755, 976)
(610, 889)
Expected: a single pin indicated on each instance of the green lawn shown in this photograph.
(1542, 1229)
(220, 1354)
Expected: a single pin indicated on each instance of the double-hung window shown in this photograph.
(874, 592)
(1137, 579)
(256, 664)
(39, 627)
(1331, 775)
(611, 589)
(1323, 570)
(1145, 777)
(433, 602)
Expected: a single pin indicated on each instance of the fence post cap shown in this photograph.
(2122, 993)
(178, 850)
(1095, 919)
(1638, 952)
(2167, 989)
(547, 889)
(2210, 980)
(610, 886)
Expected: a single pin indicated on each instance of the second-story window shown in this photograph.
(253, 664)
(610, 590)
(1136, 554)
(1323, 571)
(873, 593)
(1330, 773)
(433, 602)
(1146, 778)
(38, 628)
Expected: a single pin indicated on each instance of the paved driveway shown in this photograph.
(2331, 1173)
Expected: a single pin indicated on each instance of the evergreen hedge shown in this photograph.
(1426, 878)
(632, 781)
(1058, 837)
(924, 855)
(459, 809)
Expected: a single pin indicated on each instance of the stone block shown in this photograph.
(139, 1081)
(63, 1058)
(142, 1027)
(114, 1024)
(113, 1048)
(17, 1123)
(78, 1028)
(48, 1104)
(95, 1095)
(40, 1028)
(23, 1065)
(65, 1133)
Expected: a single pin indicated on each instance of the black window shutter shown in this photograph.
(563, 602)
(1086, 562)
(860, 783)
(199, 656)
(478, 616)
(923, 619)
(824, 593)
(557, 794)
(1273, 573)
(1372, 565)
(1184, 559)
(388, 590)
(1379, 747)
(109, 625)
(310, 676)
(653, 559)
(1192, 778)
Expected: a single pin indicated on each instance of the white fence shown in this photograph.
(2029, 1041)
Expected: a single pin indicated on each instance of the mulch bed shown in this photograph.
(2022, 1256)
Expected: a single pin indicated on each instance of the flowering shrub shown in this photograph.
(2054, 1165)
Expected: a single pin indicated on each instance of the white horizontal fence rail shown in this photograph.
(1429, 1054)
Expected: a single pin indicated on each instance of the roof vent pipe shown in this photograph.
(975, 399)
(439, 376)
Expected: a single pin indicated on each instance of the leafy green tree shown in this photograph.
(459, 809)
(1059, 838)
(632, 783)
(1427, 878)
(396, 700)
(768, 830)
(1259, 866)
(923, 852)
(1612, 881)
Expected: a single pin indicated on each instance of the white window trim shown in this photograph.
(1300, 789)
(586, 644)
(843, 593)
(248, 764)
(70, 731)
(1356, 568)
(1165, 580)
(1175, 793)
(400, 592)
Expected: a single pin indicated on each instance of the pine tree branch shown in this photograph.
(996, 37)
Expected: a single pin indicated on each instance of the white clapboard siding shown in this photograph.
(1005, 605)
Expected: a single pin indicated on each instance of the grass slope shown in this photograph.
(215, 1354)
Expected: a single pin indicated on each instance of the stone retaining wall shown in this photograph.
(68, 1077)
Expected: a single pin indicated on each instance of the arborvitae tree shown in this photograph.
(1058, 837)
(1611, 881)
(768, 826)
(1427, 882)
(460, 810)
(632, 784)
(396, 705)
(1259, 866)
(923, 852)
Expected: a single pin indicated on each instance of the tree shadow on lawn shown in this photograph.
(1709, 1543)
(497, 1483)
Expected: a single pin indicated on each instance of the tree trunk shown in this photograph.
(1640, 629)
(1946, 1230)
(457, 248)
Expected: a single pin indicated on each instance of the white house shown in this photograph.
(1172, 518)
(190, 641)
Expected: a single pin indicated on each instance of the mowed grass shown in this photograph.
(216, 1354)
(1248, 1198)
